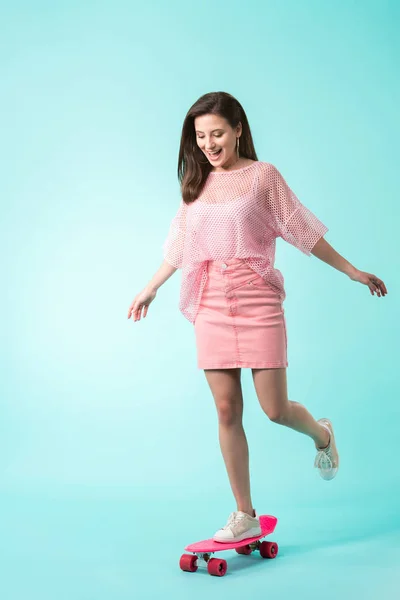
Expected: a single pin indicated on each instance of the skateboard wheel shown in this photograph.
(217, 566)
(268, 549)
(188, 562)
(244, 550)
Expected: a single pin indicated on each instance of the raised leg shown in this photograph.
(271, 390)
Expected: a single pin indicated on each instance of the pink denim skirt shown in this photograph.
(240, 321)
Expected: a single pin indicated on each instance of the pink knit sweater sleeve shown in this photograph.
(290, 219)
(173, 246)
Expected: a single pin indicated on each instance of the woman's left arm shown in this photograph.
(325, 252)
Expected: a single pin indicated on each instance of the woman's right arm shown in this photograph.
(164, 272)
(173, 251)
(142, 301)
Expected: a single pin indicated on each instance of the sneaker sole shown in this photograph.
(247, 534)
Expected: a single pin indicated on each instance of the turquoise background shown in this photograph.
(109, 452)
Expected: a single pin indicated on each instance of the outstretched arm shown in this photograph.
(324, 251)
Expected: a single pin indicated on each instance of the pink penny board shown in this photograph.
(267, 523)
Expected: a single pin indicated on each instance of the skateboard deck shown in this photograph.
(202, 550)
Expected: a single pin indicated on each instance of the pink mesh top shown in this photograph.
(239, 214)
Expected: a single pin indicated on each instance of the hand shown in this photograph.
(372, 281)
(140, 302)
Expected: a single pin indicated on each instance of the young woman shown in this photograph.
(223, 237)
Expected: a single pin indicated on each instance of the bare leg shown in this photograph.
(271, 389)
(227, 392)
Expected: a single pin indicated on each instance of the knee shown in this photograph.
(228, 413)
(279, 416)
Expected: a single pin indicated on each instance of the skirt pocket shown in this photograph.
(259, 282)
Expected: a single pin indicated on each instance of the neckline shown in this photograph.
(234, 170)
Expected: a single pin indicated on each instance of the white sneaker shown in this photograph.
(240, 526)
(327, 459)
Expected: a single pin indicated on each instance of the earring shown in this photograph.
(237, 147)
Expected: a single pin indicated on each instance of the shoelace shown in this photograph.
(234, 518)
(323, 460)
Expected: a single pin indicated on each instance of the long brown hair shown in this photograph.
(193, 170)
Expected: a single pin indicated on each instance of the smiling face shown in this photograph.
(214, 134)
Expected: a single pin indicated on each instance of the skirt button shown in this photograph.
(224, 266)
